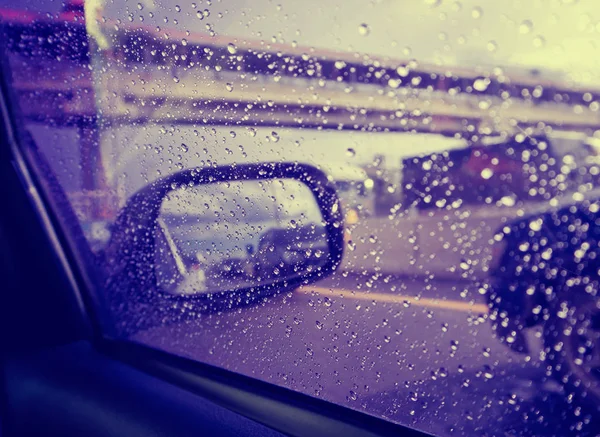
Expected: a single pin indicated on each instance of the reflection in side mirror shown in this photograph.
(228, 236)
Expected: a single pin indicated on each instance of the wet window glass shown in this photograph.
(392, 206)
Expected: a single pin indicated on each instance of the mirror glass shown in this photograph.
(229, 236)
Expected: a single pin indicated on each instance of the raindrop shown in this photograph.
(309, 352)
(184, 148)
(364, 29)
(535, 225)
(251, 131)
(394, 83)
(492, 46)
(487, 372)
(232, 134)
(351, 152)
(481, 84)
(140, 6)
(525, 27)
(539, 41)
(229, 87)
(177, 8)
(319, 325)
(487, 173)
(232, 49)
(175, 79)
(352, 396)
(351, 245)
(274, 137)
(507, 201)
(476, 12)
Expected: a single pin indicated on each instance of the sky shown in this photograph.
(559, 37)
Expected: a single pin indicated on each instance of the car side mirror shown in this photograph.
(220, 237)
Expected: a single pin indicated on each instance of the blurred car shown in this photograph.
(548, 276)
(285, 251)
(452, 200)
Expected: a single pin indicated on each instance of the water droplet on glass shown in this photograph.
(539, 41)
(229, 87)
(492, 46)
(476, 12)
(140, 6)
(488, 372)
(487, 173)
(364, 29)
(481, 84)
(536, 225)
(351, 152)
(232, 49)
(525, 27)
(274, 137)
(232, 134)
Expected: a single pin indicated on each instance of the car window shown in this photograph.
(461, 139)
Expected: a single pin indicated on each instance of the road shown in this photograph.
(416, 351)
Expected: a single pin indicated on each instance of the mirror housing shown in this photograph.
(129, 258)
